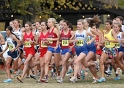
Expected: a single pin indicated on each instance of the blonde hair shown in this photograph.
(56, 25)
(81, 20)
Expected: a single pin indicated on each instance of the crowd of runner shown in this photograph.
(43, 47)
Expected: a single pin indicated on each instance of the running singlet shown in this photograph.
(65, 39)
(11, 44)
(42, 38)
(98, 51)
(119, 37)
(89, 37)
(27, 39)
(110, 37)
(52, 35)
(81, 37)
(18, 33)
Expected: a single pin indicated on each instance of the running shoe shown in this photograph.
(101, 80)
(73, 80)
(70, 71)
(60, 80)
(7, 80)
(17, 73)
(19, 79)
(33, 76)
(82, 74)
(117, 78)
(95, 80)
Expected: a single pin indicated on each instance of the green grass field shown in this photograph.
(86, 83)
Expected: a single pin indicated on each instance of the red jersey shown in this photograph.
(65, 39)
(28, 47)
(42, 38)
(98, 51)
(52, 35)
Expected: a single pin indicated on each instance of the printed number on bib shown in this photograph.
(11, 46)
(43, 45)
(107, 43)
(80, 43)
(50, 41)
(27, 44)
(65, 42)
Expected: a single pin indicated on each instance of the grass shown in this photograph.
(87, 83)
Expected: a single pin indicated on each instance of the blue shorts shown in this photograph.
(15, 54)
(64, 51)
(53, 49)
(21, 48)
(91, 48)
(81, 50)
(121, 49)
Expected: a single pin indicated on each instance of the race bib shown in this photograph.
(117, 45)
(80, 43)
(51, 41)
(65, 43)
(27, 44)
(43, 45)
(11, 46)
(107, 43)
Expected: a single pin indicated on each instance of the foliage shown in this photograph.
(112, 3)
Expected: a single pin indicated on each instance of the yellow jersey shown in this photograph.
(110, 37)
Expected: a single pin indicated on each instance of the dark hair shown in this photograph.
(45, 24)
(11, 30)
(109, 21)
(120, 17)
(70, 26)
(95, 21)
(67, 22)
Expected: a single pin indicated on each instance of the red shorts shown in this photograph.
(42, 52)
(29, 51)
(99, 52)
(73, 50)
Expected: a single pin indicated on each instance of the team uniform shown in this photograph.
(120, 45)
(52, 44)
(80, 46)
(43, 47)
(37, 46)
(98, 51)
(12, 44)
(19, 35)
(64, 38)
(90, 47)
(28, 47)
(110, 48)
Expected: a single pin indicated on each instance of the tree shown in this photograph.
(112, 3)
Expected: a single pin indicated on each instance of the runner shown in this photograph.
(13, 54)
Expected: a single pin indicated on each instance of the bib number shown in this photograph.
(50, 41)
(107, 43)
(43, 45)
(11, 46)
(80, 43)
(65, 43)
(27, 44)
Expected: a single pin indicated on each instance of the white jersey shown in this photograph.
(119, 37)
(18, 33)
(12, 44)
(122, 28)
(81, 37)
